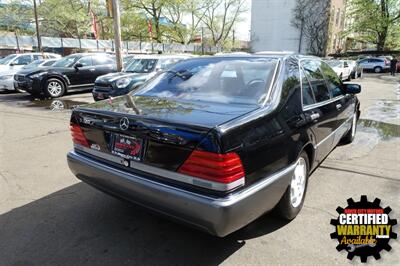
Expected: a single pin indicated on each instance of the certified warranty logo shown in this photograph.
(363, 228)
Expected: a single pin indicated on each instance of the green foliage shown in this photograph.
(16, 16)
(375, 21)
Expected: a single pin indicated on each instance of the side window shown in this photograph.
(101, 60)
(332, 79)
(317, 81)
(308, 96)
(37, 57)
(85, 61)
(49, 63)
(23, 60)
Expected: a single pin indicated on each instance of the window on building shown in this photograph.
(342, 22)
(337, 17)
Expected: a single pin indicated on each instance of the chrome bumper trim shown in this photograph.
(162, 172)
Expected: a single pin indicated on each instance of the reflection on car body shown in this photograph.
(222, 139)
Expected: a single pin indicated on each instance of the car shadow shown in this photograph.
(80, 225)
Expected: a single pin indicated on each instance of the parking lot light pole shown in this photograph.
(39, 42)
(117, 33)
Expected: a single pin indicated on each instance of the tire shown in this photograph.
(290, 205)
(349, 137)
(54, 88)
(378, 69)
(360, 75)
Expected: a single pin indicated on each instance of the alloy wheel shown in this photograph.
(54, 88)
(298, 183)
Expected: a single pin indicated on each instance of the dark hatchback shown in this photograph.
(73, 72)
(134, 75)
(216, 142)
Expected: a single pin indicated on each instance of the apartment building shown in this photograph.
(272, 26)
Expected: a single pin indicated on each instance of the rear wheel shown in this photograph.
(293, 199)
(377, 69)
(54, 88)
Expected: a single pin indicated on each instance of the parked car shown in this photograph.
(134, 75)
(73, 72)
(217, 141)
(7, 77)
(356, 69)
(17, 61)
(341, 68)
(377, 65)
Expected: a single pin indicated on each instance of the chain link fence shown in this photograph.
(29, 42)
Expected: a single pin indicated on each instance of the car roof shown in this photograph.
(160, 56)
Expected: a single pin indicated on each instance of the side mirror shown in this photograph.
(351, 88)
(78, 65)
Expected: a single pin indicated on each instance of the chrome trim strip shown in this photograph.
(81, 85)
(163, 173)
(273, 81)
(220, 202)
(335, 131)
(315, 105)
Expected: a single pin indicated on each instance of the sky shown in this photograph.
(242, 29)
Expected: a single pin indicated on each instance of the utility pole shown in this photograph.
(233, 39)
(117, 33)
(37, 27)
(202, 40)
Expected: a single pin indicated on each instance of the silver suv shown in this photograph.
(377, 65)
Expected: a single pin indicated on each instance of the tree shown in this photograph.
(220, 17)
(152, 10)
(71, 19)
(17, 16)
(311, 17)
(375, 21)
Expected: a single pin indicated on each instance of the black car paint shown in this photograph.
(267, 138)
(105, 86)
(74, 78)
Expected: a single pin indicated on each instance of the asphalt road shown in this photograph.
(48, 217)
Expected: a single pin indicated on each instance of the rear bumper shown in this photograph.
(218, 216)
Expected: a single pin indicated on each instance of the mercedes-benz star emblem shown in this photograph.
(124, 123)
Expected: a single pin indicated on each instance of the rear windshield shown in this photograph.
(240, 81)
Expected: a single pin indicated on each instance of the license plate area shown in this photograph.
(127, 147)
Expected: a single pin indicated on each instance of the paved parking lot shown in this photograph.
(48, 217)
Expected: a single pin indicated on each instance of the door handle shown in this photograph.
(338, 106)
(92, 69)
(314, 116)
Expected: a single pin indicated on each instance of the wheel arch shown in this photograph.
(310, 150)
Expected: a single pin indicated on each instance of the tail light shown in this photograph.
(221, 168)
(387, 62)
(77, 135)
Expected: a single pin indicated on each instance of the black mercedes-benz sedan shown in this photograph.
(73, 72)
(216, 142)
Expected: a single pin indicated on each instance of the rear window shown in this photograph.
(239, 81)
